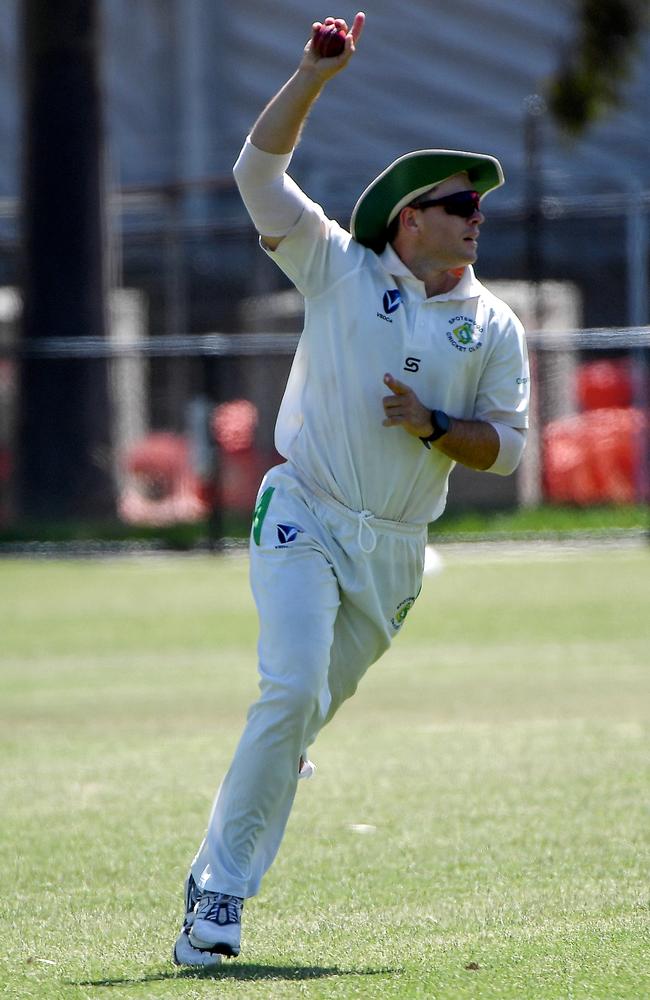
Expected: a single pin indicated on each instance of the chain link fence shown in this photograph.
(188, 429)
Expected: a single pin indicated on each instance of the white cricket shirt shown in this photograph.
(462, 352)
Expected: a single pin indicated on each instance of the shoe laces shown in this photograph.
(221, 908)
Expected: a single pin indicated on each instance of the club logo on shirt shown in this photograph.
(401, 612)
(465, 334)
(287, 533)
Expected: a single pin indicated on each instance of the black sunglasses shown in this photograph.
(462, 203)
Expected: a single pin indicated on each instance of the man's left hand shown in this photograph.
(404, 409)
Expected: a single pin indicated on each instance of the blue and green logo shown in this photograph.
(465, 335)
(401, 612)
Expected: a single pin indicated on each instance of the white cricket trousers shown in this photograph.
(332, 587)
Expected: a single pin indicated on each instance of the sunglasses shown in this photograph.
(463, 203)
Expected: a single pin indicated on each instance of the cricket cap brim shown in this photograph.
(410, 176)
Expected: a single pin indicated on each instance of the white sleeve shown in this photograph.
(512, 441)
(272, 199)
(314, 251)
(504, 388)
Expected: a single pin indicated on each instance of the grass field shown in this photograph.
(478, 828)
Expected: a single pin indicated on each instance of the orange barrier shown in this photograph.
(594, 456)
(605, 383)
(162, 488)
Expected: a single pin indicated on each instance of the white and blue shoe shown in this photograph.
(216, 927)
(212, 924)
(184, 952)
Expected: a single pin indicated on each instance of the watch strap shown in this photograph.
(441, 422)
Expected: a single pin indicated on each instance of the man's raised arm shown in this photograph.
(278, 128)
(274, 202)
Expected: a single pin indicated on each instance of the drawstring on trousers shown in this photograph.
(364, 525)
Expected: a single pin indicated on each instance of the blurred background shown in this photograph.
(145, 340)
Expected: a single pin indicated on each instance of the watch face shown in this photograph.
(440, 423)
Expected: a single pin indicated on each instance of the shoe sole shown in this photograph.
(186, 963)
(195, 965)
(219, 948)
(224, 949)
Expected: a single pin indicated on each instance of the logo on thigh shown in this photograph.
(287, 533)
(401, 612)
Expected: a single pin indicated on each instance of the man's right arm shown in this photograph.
(278, 128)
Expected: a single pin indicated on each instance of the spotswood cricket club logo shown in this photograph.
(465, 334)
(403, 609)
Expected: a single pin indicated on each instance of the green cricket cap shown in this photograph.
(410, 176)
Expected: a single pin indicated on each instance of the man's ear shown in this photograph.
(409, 219)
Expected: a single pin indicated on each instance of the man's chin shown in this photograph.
(462, 262)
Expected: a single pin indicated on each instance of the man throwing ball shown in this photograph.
(406, 365)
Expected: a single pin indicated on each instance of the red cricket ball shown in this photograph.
(328, 41)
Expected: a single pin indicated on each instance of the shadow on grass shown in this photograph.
(238, 971)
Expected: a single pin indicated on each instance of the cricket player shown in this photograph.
(406, 365)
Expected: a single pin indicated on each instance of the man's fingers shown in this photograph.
(404, 409)
(337, 62)
(395, 385)
(357, 26)
(395, 411)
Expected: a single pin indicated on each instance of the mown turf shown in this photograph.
(478, 828)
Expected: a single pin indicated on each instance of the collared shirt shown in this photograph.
(366, 314)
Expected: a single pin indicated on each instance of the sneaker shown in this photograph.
(216, 927)
(184, 952)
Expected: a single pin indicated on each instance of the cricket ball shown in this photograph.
(328, 41)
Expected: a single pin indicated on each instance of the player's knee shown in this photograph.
(291, 702)
(299, 701)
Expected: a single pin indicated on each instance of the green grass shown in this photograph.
(550, 520)
(546, 520)
(497, 758)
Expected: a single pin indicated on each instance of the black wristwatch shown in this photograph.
(441, 422)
